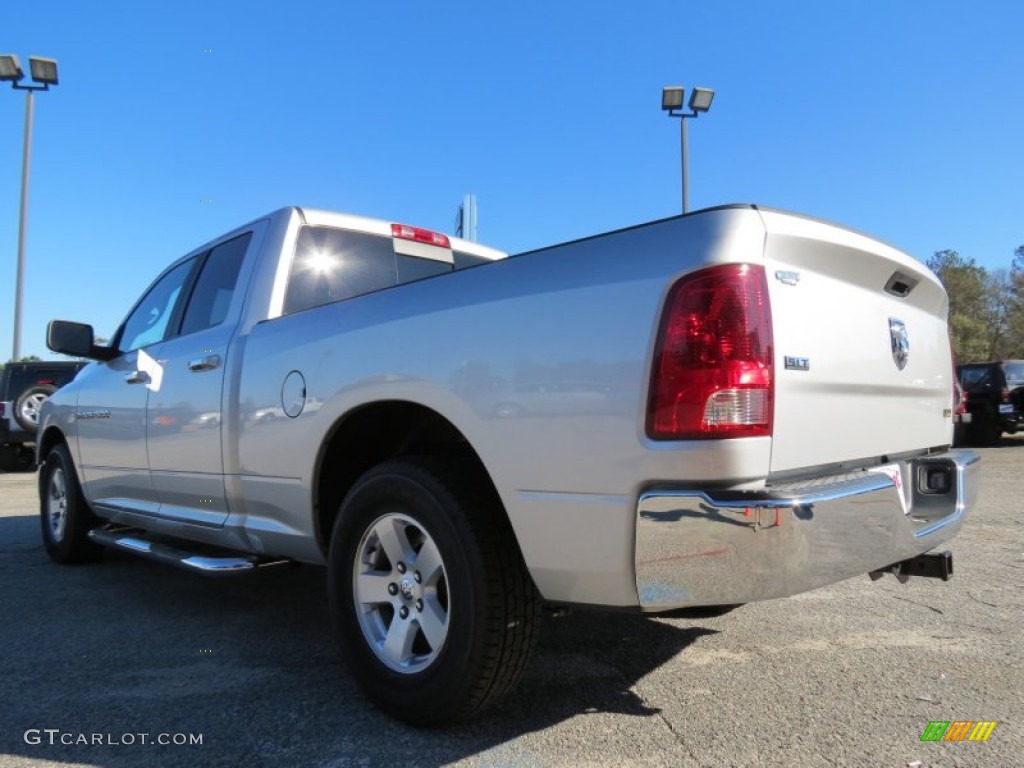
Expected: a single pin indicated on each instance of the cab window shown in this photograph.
(148, 322)
(211, 298)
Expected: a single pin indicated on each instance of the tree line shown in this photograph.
(986, 308)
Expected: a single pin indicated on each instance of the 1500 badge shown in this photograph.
(92, 415)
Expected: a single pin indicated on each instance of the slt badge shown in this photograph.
(900, 342)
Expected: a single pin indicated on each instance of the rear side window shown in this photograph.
(211, 297)
(1014, 373)
(335, 264)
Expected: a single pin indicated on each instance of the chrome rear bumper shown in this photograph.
(708, 548)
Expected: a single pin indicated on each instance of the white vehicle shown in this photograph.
(733, 405)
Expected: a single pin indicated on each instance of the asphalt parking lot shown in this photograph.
(847, 675)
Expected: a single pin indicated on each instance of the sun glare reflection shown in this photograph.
(322, 262)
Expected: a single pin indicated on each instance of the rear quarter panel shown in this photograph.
(494, 349)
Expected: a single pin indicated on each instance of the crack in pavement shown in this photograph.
(978, 600)
(923, 605)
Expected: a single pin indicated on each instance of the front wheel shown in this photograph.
(434, 608)
(64, 513)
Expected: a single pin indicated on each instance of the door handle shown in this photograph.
(136, 377)
(208, 363)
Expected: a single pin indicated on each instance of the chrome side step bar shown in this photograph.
(134, 540)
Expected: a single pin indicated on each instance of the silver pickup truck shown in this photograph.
(733, 405)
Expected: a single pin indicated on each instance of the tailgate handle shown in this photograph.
(901, 285)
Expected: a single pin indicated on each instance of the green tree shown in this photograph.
(1001, 304)
(969, 317)
(1015, 319)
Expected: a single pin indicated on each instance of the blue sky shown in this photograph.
(901, 119)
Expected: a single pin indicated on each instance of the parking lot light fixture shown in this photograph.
(43, 70)
(672, 98)
(44, 74)
(700, 99)
(10, 68)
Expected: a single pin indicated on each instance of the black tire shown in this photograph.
(984, 429)
(988, 430)
(490, 608)
(26, 407)
(64, 514)
(16, 457)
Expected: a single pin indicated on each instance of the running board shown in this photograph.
(133, 540)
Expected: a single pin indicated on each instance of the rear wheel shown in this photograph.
(64, 514)
(986, 429)
(436, 613)
(16, 457)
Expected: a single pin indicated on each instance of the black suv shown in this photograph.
(23, 388)
(995, 398)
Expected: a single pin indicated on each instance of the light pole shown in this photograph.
(44, 73)
(672, 102)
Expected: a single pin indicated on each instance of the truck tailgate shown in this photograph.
(862, 356)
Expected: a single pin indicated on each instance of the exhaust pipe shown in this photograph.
(931, 565)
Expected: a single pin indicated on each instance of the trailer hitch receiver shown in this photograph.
(931, 565)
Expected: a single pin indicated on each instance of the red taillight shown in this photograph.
(1005, 395)
(959, 395)
(405, 232)
(959, 399)
(713, 374)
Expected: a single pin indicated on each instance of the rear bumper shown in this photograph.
(703, 548)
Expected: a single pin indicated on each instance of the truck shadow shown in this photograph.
(130, 647)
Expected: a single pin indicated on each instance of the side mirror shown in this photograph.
(76, 340)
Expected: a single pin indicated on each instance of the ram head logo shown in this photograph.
(900, 342)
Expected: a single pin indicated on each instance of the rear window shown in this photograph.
(463, 259)
(411, 268)
(335, 264)
(972, 377)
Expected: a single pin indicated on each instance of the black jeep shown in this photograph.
(23, 388)
(995, 398)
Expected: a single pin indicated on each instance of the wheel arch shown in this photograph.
(376, 432)
(45, 443)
